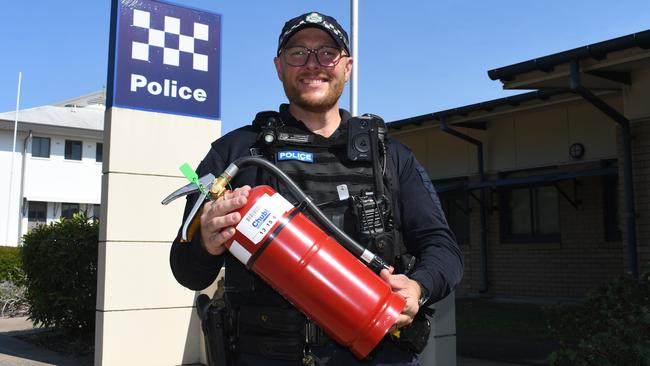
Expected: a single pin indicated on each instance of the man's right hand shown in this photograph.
(218, 219)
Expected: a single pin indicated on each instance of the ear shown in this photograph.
(278, 67)
(348, 68)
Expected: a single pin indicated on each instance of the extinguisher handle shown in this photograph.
(371, 260)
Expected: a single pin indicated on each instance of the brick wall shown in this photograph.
(569, 268)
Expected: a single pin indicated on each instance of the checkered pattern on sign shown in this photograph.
(171, 56)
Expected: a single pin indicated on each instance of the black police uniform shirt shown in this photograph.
(425, 231)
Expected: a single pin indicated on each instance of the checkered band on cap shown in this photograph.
(314, 20)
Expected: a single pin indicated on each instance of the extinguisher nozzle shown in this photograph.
(219, 185)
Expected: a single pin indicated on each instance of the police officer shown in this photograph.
(313, 62)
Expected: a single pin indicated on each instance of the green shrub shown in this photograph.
(11, 265)
(60, 261)
(612, 327)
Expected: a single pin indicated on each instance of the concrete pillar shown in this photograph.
(144, 317)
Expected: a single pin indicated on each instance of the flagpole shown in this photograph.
(354, 28)
(13, 153)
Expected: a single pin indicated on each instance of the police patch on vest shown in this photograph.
(296, 155)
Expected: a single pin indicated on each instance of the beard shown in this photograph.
(317, 105)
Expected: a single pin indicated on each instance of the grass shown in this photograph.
(488, 317)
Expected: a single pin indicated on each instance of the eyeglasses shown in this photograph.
(299, 56)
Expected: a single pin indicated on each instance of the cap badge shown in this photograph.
(314, 18)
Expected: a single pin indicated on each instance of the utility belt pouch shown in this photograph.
(414, 337)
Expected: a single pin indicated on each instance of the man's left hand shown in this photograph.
(409, 290)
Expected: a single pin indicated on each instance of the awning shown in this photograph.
(523, 181)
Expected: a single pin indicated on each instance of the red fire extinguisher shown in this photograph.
(314, 272)
(330, 280)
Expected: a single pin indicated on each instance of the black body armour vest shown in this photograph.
(344, 190)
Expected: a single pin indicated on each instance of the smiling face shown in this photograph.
(312, 87)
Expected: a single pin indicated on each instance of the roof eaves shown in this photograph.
(597, 51)
(488, 106)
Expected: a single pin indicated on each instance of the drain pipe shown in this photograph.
(481, 171)
(577, 87)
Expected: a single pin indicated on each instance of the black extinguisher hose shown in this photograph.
(373, 261)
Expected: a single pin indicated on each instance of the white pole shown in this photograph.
(13, 152)
(354, 29)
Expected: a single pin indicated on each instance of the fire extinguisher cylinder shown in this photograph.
(373, 261)
(314, 272)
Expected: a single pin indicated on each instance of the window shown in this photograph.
(37, 211)
(530, 214)
(99, 152)
(72, 150)
(41, 147)
(37, 214)
(69, 209)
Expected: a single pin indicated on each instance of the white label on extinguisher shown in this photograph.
(240, 252)
(259, 220)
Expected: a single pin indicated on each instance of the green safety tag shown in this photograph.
(191, 175)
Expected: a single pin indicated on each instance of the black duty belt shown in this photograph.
(276, 333)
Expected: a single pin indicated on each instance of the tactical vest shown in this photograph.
(344, 190)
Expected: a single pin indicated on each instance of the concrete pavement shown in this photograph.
(16, 352)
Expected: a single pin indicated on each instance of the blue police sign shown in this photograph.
(164, 58)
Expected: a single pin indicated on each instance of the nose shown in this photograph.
(312, 61)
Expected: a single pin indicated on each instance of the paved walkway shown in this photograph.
(15, 352)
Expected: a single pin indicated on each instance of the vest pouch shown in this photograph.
(383, 245)
(339, 212)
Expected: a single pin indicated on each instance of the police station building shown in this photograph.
(547, 191)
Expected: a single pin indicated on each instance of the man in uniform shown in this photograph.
(313, 62)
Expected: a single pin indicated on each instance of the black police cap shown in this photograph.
(315, 20)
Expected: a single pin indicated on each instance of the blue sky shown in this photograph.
(415, 57)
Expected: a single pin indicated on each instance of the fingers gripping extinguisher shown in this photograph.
(322, 276)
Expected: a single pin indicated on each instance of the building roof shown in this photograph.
(94, 98)
(605, 66)
(597, 51)
(479, 111)
(80, 116)
(88, 118)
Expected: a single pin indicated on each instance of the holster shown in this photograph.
(414, 337)
(214, 323)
